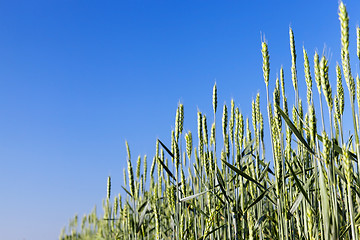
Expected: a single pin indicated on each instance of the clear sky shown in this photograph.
(79, 77)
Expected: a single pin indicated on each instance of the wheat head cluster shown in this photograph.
(306, 186)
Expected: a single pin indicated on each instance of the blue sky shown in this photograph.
(79, 77)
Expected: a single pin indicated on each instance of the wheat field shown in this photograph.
(306, 185)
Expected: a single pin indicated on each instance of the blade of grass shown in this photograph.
(244, 175)
(166, 169)
(261, 196)
(298, 183)
(294, 129)
(222, 185)
(193, 196)
(127, 192)
(300, 196)
(166, 149)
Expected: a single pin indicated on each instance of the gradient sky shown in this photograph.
(79, 77)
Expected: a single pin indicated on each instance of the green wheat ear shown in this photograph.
(261, 120)
(120, 200)
(294, 116)
(317, 71)
(157, 149)
(189, 144)
(231, 121)
(205, 131)
(345, 57)
(179, 121)
(347, 165)
(227, 145)
(254, 121)
(340, 90)
(214, 98)
(176, 153)
(241, 129)
(257, 106)
(276, 99)
(312, 121)
(170, 196)
(282, 82)
(248, 131)
(138, 166)
(181, 125)
(266, 62)
(337, 108)
(200, 134)
(130, 173)
(108, 187)
(293, 61)
(145, 167)
(253, 114)
(327, 147)
(236, 130)
(128, 150)
(224, 121)
(301, 114)
(324, 69)
(213, 134)
(308, 79)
